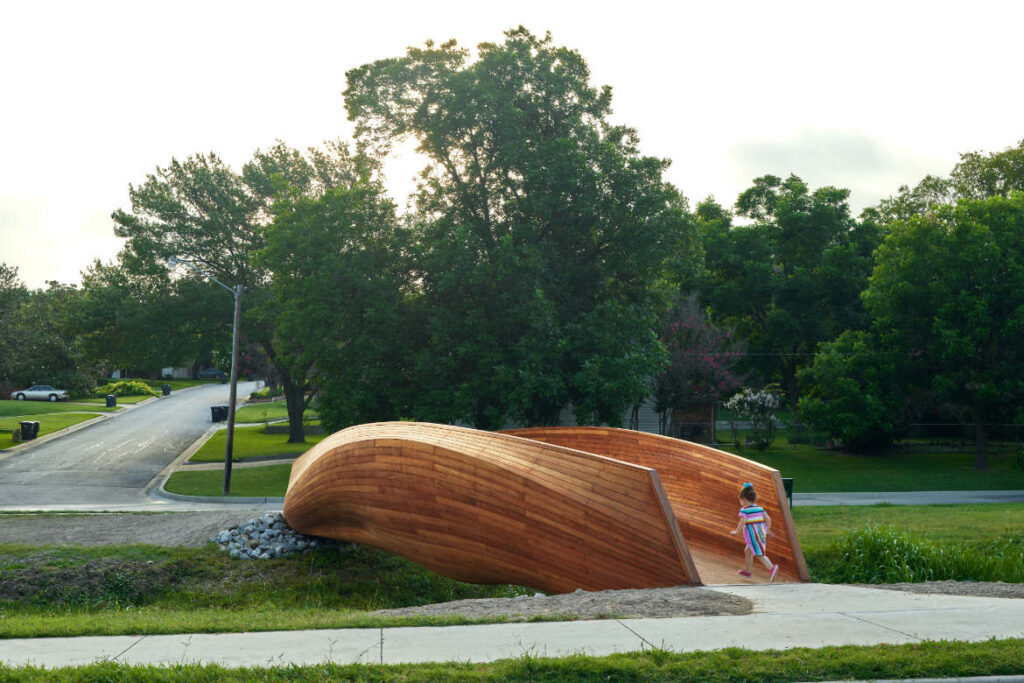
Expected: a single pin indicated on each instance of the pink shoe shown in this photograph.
(744, 572)
(774, 571)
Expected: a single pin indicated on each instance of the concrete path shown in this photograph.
(786, 616)
(909, 498)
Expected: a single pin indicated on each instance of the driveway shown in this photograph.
(111, 462)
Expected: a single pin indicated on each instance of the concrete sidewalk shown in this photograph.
(786, 616)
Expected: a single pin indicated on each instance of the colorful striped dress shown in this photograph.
(754, 528)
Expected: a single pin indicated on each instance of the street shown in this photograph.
(111, 462)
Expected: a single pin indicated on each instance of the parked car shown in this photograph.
(39, 392)
(212, 373)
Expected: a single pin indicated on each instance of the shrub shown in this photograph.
(260, 393)
(758, 407)
(131, 388)
(885, 554)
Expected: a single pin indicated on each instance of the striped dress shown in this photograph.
(754, 528)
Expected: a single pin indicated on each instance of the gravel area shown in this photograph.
(682, 601)
(977, 589)
(195, 528)
(192, 529)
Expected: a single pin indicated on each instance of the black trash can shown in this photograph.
(219, 413)
(787, 483)
(111, 400)
(166, 388)
(29, 430)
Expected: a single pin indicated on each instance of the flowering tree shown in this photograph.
(701, 358)
(757, 406)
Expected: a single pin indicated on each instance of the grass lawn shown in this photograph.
(269, 481)
(251, 442)
(941, 524)
(30, 408)
(941, 659)
(47, 424)
(906, 468)
(102, 399)
(261, 412)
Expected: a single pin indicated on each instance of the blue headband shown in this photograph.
(748, 485)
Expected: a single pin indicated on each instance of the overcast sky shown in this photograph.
(866, 95)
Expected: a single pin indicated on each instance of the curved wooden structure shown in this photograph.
(702, 485)
(556, 508)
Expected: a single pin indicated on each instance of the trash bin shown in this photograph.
(111, 400)
(166, 388)
(788, 485)
(219, 413)
(29, 430)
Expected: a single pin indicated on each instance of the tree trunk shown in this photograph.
(980, 442)
(294, 396)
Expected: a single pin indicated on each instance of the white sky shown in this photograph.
(868, 95)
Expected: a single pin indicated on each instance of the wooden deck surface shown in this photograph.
(702, 485)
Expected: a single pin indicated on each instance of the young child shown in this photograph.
(755, 525)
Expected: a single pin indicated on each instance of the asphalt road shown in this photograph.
(111, 462)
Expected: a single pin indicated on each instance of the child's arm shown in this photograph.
(768, 524)
(738, 527)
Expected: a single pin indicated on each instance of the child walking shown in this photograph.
(755, 525)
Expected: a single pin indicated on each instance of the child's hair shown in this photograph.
(747, 492)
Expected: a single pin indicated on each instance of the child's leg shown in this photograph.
(748, 556)
(766, 562)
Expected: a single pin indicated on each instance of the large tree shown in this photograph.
(338, 296)
(203, 211)
(948, 293)
(790, 278)
(542, 230)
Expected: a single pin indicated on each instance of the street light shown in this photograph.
(237, 292)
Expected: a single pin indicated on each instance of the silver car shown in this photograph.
(39, 392)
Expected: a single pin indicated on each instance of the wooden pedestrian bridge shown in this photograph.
(553, 508)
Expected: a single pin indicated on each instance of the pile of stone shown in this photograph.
(266, 537)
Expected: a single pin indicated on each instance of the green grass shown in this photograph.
(269, 481)
(261, 412)
(942, 524)
(120, 400)
(28, 408)
(932, 659)
(47, 424)
(251, 442)
(909, 468)
(61, 590)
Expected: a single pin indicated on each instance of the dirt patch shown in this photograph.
(681, 601)
(190, 529)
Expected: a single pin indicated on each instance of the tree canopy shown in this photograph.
(543, 230)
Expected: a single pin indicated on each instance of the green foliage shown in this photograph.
(886, 554)
(792, 278)
(542, 232)
(851, 392)
(125, 388)
(758, 407)
(338, 297)
(948, 293)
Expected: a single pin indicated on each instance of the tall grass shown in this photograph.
(886, 554)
